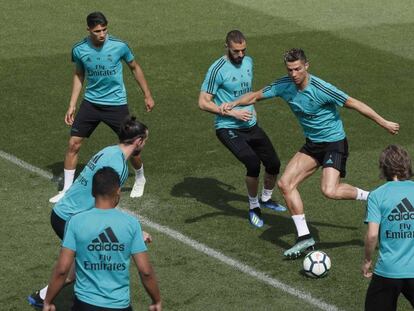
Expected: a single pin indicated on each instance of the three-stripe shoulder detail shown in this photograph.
(79, 43)
(116, 39)
(124, 174)
(111, 38)
(339, 97)
(283, 80)
(213, 76)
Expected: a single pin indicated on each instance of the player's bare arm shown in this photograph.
(59, 274)
(247, 99)
(140, 78)
(148, 279)
(370, 113)
(371, 239)
(205, 102)
(78, 79)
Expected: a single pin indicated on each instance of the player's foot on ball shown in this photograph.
(35, 300)
(138, 188)
(302, 244)
(273, 205)
(255, 217)
(57, 197)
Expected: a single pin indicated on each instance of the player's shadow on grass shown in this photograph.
(212, 192)
(57, 172)
(64, 300)
(278, 229)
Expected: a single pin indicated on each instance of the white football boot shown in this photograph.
(57, 197)
(138, 188)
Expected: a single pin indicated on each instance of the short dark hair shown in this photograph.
(235, 36)
(293, 55)
(131, 129)
(105, 182)
(96, 18)
(395, 161)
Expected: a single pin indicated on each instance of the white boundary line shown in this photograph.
(25, 165)
(198, 246)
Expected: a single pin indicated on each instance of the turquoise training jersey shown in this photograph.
(391, 206)
(103, 70)
(78, 197)
(104, 240)
(314, 107)
(227, 82)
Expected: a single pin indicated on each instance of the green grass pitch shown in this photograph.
(194, 185)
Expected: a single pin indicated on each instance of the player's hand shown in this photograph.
(155, 307)
(48, 307)
(392, 127)
(243, 115)
(366, 268)
(70, 115)
(147, 237)
(226, 107)
(149, 103)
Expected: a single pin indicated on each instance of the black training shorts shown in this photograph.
(58, 224)
(382, 293)
(83, 306)
(251, 146)
(329, 154)
(90, 115)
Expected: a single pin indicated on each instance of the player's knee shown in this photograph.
(329, 191)
(74, 146)
(253, 166)
(284, 186)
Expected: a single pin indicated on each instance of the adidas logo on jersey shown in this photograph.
(106, 241)
(403, 211)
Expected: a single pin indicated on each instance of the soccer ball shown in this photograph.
(316, 264)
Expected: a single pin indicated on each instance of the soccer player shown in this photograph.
(132, 138)
(227, 79)
(314, 102)
(97, 59)
(101, 242)
(390, 216)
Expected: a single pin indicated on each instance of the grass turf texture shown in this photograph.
(194, 185)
